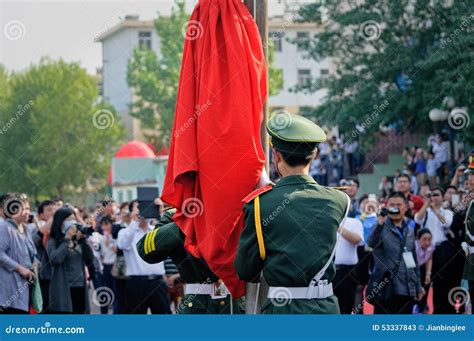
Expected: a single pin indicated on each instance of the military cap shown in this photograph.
(293, 133)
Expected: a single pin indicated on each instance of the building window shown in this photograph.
(304, 77)
(303, 40)
(324, 74)
(144, 40)
(275, 38)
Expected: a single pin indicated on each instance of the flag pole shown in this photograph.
(256, 293)
(259, 11)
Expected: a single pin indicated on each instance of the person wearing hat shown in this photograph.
(204, 292)
(290, 229)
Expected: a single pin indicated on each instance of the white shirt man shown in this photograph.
(432, 222)
(145, 286)
(346, 249)
(127, 241)
(350, 235)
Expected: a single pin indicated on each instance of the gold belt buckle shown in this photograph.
(218, 290)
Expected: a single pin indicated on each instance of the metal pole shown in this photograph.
(259, 10)
(256, 293)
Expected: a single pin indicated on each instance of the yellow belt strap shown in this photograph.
(258, 228)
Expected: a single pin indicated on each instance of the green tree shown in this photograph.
(155, 79)
(405, 55)
(55, 136)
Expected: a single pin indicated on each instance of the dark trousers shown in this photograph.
(78, 297)
(443, 279)
(345, 285)
(423, 303)
(106, 280)
(471, 294)
(120, 295)
(145, 292)
(44, 285)
(396, 305)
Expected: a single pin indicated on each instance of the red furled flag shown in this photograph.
(216, 157)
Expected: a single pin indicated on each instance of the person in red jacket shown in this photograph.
(415, 202)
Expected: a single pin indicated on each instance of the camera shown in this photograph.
(85, 230)
(389, 210)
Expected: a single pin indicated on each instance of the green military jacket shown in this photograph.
(299, 220)
(469, 223)
(167, 240)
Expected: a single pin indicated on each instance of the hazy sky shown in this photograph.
(66, 28)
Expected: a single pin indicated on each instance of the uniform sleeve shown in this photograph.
(248, 262)
(157, 245)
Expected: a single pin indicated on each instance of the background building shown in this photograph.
(119, 41)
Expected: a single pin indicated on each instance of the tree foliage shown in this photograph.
(55, 138)
(409, 54)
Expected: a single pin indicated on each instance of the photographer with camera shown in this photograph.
(395, 282)
(438, 220)
(145, 286)
(69, 253)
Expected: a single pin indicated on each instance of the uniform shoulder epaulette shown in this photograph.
(256, 193)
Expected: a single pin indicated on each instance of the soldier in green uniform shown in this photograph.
(290, 229)
(204, 292)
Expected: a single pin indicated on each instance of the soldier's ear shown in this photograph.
(277, 155)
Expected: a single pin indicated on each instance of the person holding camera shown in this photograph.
(438, 220)
(17, 256)
(68, 253)
(145, 286)
(395, 282)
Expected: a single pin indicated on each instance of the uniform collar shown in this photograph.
(296, 180)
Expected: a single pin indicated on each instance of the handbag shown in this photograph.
(36, 297)
(380, 288)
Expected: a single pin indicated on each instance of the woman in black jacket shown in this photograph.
(69, 255)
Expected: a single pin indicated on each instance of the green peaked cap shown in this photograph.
(294, 133)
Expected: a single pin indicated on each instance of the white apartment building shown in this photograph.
(119, 42)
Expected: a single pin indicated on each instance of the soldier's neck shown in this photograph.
(287, 171)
